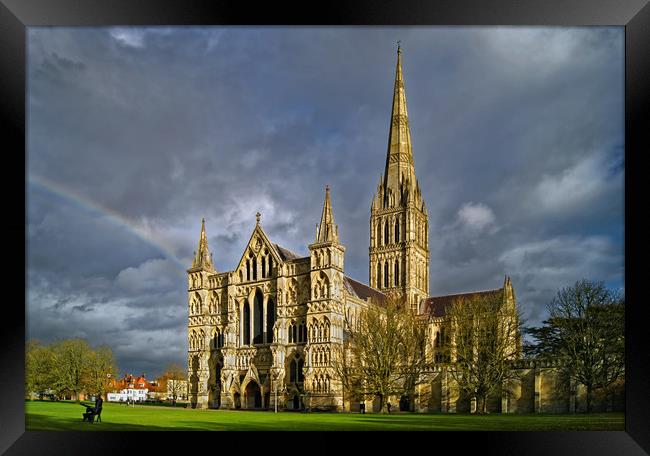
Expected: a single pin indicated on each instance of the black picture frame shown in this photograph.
(634, 15)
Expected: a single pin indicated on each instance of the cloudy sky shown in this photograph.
(135, 134)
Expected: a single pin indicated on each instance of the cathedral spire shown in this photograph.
(203, 257)
(399, 158)
(327, 230)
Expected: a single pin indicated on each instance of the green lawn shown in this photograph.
(58, 416)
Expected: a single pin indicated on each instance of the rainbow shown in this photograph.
(109, 214)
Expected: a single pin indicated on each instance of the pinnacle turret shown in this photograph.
(203, 257)
(327, 230)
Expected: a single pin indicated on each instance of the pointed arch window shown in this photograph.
(248, 269)
(396, 273)
(386, 232)
(397, 230)
(258, 318)
(246, 322)
(379, 274)
(378, 237)
(293, 371)
(254, 260)
(270, 320)
(386, 274)
(263, 267)
(270, 265)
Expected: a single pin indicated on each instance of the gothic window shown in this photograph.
(270, 265)
(386, 233)
(378, 238)
(396, 273)
(258, 318)
(293, 371)
(202, 339)
(379, 274)
(302, 332)
(248, 269)
(321, 287)
(386, 274)
(290, 333)
(218, 339)
(270, 320)
(254, 260)
(246, 322)
(300, 365)
(397, 230)
(263, 267)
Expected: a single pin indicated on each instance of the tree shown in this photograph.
(585, 331)
(38, 368)
(174, 380)
(384, 355)
(69, 362)
(485, 333)
(98, 367)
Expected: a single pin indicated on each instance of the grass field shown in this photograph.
(66, 416)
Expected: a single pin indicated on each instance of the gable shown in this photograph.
(259, 244)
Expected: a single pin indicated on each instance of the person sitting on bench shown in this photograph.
(91, 412)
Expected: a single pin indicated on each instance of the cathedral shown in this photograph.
(261, 336)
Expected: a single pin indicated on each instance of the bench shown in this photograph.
(91, 414)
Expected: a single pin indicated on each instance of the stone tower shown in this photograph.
(399, 225)
(325, 314)
(198, 285)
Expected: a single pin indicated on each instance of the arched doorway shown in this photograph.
(237, 400)
(296, 402)
(253, 396)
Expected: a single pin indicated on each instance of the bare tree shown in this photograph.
(384, 354)
(174, 380)
(585, 330)
(484, 341)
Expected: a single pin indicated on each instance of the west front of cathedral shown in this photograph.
(262, 336)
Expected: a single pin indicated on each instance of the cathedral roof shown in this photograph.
(436, 306)
(286, 254)
(362, 291)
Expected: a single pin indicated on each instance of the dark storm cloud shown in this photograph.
(518, 146)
